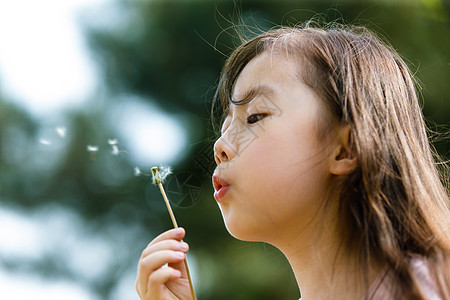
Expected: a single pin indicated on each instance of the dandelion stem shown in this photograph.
(166, 200)
(158, 181)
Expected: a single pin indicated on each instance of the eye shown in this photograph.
(255, 118)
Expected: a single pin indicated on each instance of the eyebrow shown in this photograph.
(252, 93)
(247, 97)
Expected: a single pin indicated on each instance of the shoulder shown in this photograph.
(422, 275)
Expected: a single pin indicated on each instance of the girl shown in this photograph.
(324, 154)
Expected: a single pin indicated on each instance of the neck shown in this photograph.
(323, 267)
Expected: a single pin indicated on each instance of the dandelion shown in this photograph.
(159, 174)
(45, 142)
(164, 171)
(91, 148)
(61, 131)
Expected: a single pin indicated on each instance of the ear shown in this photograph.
(343, 159)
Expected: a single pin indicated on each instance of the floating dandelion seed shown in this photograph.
(92, 151)
(61, 131)
(115, 150)
(91, 148)
(137, 171)
(159, 174)
(44, 142)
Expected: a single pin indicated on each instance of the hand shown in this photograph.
(155, 281)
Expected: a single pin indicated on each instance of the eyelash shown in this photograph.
(250, 120)
(259, 117)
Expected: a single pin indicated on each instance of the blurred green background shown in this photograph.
(74, 222)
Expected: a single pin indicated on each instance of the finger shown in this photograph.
(172, 234)
(181, 266)
(158, 278)
(165, 245)
(155, 261)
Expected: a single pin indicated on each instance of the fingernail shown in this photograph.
(179, 254)
(184, 246)
(179, 231)
(177, 273)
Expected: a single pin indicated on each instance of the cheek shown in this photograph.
(286, 172)
(272, 195)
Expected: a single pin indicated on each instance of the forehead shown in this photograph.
(274, 78)
(268, 74)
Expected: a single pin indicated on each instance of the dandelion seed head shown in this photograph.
(156, 177)
(112, 141)
(160, 174)
(61, 131)
(164, 172)
(44, 142)
(91, 148)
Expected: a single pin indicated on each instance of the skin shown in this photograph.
(284, 159)
(157, 282)
(279, 172)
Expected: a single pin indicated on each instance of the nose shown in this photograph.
(223, 151)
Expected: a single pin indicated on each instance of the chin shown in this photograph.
(244, 227)
(243, 231)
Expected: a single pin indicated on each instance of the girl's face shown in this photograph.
(272, 167)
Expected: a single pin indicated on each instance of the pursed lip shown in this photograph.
(221, 187)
